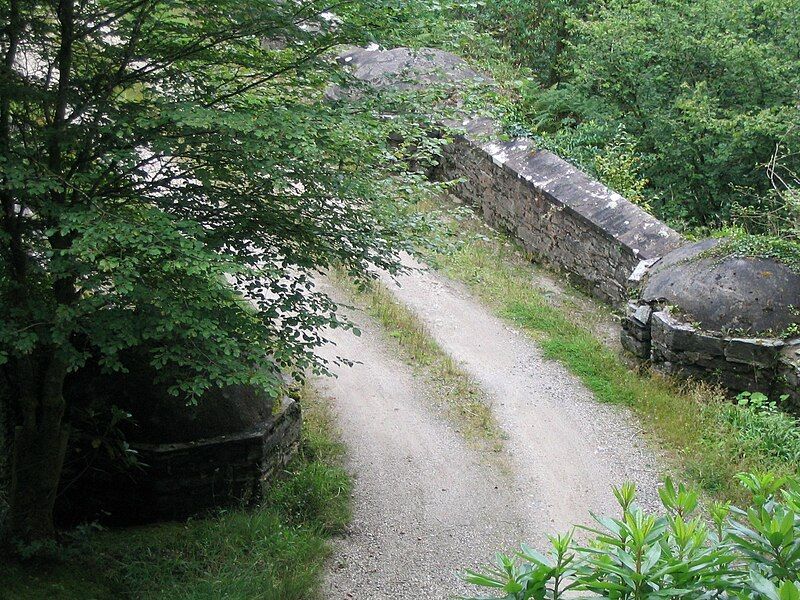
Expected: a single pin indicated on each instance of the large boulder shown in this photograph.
(729, 294)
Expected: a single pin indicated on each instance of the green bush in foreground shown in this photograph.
(749, 554)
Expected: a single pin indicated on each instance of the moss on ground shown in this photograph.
(780, 250)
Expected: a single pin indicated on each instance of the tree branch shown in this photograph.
(9, 218)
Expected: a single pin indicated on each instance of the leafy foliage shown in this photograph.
(747, 554)
(782, 250)
(190, 158)
(781, 224)
(706, 90)
(171, 177)
(536, 33)
(683, 106)
(761, 426)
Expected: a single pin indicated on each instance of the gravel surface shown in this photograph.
(427, 505)
(568, 448)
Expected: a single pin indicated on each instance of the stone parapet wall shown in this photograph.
(610, 247)
(675, 347)
(559, 214)
(188, 478)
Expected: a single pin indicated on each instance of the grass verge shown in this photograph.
(274, 551)
(462, 398)
(710, 438)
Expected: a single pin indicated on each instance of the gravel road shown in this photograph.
(426, 505)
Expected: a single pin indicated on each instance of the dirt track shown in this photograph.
(426, 505)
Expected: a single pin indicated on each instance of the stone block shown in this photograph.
(706, 344)
(640, 270)
(660, 353)
(718, 363)
(637, 347)
(752, 381)
(701, 343)
(682, 337)
(669, 332)
(665, 368)
(640, 313)
(754, 351)
(635, 330)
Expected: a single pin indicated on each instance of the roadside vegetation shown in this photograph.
(751, 554)
(686, 108)
(273, 551)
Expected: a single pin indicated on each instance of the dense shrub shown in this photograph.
(746, 554)
(761, 426)
(681, 105)
(705, 89)
(536, 31)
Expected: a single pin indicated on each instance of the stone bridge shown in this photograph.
(686, 311)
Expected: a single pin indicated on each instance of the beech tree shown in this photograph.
(170, 177)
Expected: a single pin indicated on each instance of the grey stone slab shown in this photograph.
(753, 351)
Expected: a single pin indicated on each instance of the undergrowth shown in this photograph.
(274, 551)
(785, 251)
(710, 438)
(763, 428)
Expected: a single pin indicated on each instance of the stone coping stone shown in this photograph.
(566, 186)
(406, 68)
(256, 431)
(753, 351)
(679, 336)
(640, 313)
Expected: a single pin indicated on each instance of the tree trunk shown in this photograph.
(40, 443)
(35, 472)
